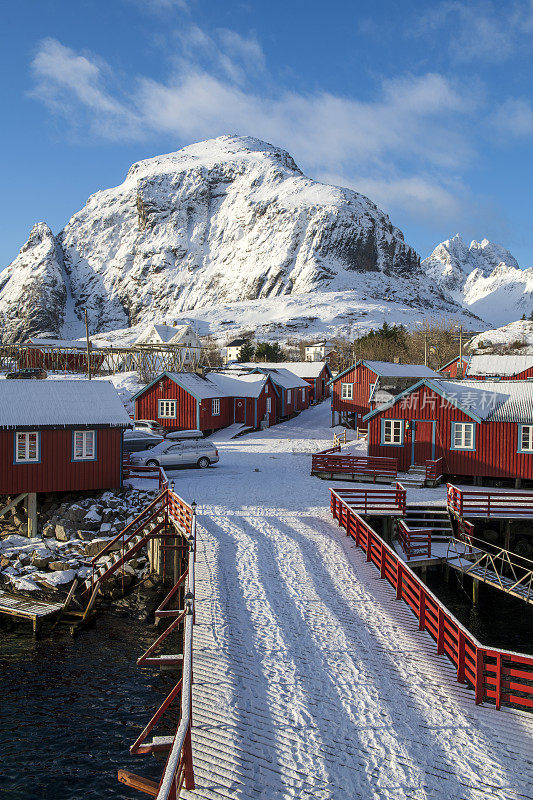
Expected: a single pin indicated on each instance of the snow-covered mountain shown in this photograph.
(484, 277)
(228, 221)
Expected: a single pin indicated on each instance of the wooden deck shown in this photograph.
(14, 605)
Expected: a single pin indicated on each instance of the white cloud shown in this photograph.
(479, 30)
(400, 148)
(514, 117)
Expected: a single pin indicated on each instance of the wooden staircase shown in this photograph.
(436, 519)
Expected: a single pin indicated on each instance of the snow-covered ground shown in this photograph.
(311, 681)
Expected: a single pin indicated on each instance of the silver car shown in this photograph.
(178, 454)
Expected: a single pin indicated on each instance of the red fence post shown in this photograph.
(398, 580)
(421, 609)
(357, 532)
(383, 563)
(460, 656)
(440, 631)
(479, 675)
(498, 680)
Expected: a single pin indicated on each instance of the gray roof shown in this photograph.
(498, 365)
(201, 388)
(390, 370)
(76, 344)
(60, 404)
(239, 385)
(284, 377)
(510, 401)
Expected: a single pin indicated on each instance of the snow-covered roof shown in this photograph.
(77, 344)
(303, 369)
(201, 388)
(453, 360)
(165, 334)
(283, 377)
(386, 369)
(64, 403)
(239, 385)
(498, 365)
(495, 401)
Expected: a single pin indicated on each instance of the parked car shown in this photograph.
(31, 373)
(178, 454)
(184, 435)
(149, 425)
(138, 439)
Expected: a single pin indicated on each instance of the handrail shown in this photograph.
(484, 503)
(501, 676)
(179, 767)
(434, 469)
(128, 526)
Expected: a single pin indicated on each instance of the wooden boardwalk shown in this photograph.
(311, 682)
(15, 605)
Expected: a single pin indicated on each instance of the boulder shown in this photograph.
(58, 566)
(40, 561)
(49, 530)
(75, 513)
(64, 532)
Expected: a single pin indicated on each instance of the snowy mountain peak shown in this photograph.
(227, 149)
(484, 277)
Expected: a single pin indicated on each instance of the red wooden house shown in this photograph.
(480, 430)
(456, 368)
(185, 400)
(59, 354)
(58, 436)
(367, 384)
(500, 368)
(315, 373)
(292, 392)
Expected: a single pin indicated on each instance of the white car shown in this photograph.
(149, 425)
(170, 454)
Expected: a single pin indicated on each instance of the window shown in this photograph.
(463, 436)
(27, 447)
(392, 431)
(303, 395)
(525, 438)
(167, 409)
(289, 395)
(215, 407)
(84, 446)
(269, 405)
(347, 391)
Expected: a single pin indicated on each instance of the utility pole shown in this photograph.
(461, 347)
(425, 349)
(88, 346)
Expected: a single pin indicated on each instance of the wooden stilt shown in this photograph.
(475, 591)
(31, 507)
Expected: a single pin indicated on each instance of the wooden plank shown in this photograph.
(25, 606)
(138, 782)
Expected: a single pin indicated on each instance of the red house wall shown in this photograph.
(451, 369)
(57, 472)
(316, 390)
(146, 406)
(208, 422)
(362, 378)
(496, 442)
(520, 376)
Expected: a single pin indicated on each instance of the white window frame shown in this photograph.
(346, 391)
(215, 407)
(269, 405)
(392, 432)
(303, 395)
(87, 452)
(167, 409)
(23, 437)
(528, 447)
(289, 396)
(460, 437)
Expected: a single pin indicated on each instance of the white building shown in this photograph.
(233, 349)
(184, 335)
(318, 351)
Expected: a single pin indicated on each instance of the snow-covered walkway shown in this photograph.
(311, 681)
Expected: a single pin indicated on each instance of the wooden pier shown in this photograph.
(37, 611)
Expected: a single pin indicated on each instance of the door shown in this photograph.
(240, 409)
(423, 446)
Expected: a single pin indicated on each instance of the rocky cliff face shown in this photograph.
(484, 278)
(33, 292)
(231, 219)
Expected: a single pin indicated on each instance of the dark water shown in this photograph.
(70, 709)
(497, 620)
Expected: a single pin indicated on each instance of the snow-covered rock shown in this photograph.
(33, 291)
(484, 277)
(230, 220)
(517, 335)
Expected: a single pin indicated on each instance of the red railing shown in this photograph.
(371, 501)
(131, 471)
(485, 504)
(371, 466)
(434, 469)
(178, 771)
(495, 675)
(414, 541)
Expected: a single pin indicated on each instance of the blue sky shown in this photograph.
(425, 107)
